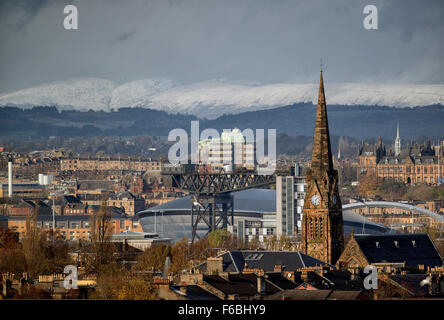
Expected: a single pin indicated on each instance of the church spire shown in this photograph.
(321, 157)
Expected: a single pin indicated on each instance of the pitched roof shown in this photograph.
(412, 283)
(413, 249)
(281, 282)
(95, 185)
(194, 292)
(315, 295)
(230, 287)
(246, 284)
(334, 279)
(237, 260)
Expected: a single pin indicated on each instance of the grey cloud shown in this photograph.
(123, 37)
(195, 40)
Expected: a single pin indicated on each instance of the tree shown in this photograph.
(285, 243)
(33, 246)
(122, 284)
(271, 242)
(367, 185)
(11, 253)
(180, 256)
(218, 237)
(153, 258)
(57, 253)
(99, 253)
(202, 249)
(8, 239)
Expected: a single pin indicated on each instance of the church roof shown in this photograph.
(413, 249)
(237, 260)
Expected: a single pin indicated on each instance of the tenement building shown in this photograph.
(412, 163)
(322, 222)
(109, 163)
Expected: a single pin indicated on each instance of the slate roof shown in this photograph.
(229, 287)
(413, 249)
(30, 203)
(246, 284)
(334, 279)
(95, 185)
(64, 200)
(194, 292)
(315, 295)
(283, 283)
(412, 283)
(236, 260)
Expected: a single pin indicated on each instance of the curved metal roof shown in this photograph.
(385, 204)
(251, 200)
(254, 203)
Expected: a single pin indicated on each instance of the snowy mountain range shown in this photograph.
(211, 99)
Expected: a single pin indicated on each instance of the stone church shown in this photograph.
(322, 222)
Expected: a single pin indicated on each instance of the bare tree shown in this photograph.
(100, 251)
(33, 245)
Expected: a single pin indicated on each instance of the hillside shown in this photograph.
(360, 122)
(214, 98)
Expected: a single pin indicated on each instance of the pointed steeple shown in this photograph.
(321, 157)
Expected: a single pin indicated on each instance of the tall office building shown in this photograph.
(230, 150)
(290, 194)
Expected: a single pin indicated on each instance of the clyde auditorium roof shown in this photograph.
(172, 219)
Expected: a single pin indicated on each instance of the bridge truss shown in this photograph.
(211, 199)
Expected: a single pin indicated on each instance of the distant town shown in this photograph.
(365, 222)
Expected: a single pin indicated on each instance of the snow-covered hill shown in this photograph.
(79, 94)
(214, 98)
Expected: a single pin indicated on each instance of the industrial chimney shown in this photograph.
(10, 177)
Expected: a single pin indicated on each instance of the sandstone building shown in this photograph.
(322, 222)
(415, 163)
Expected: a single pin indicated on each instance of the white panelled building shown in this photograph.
(290, 194)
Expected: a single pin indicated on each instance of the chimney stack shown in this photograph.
(260, 284)
(10, 177)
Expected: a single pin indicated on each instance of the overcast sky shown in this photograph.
(265, 41)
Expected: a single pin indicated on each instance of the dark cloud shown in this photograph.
(195, 40)
(123, 37)
(17, 14)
